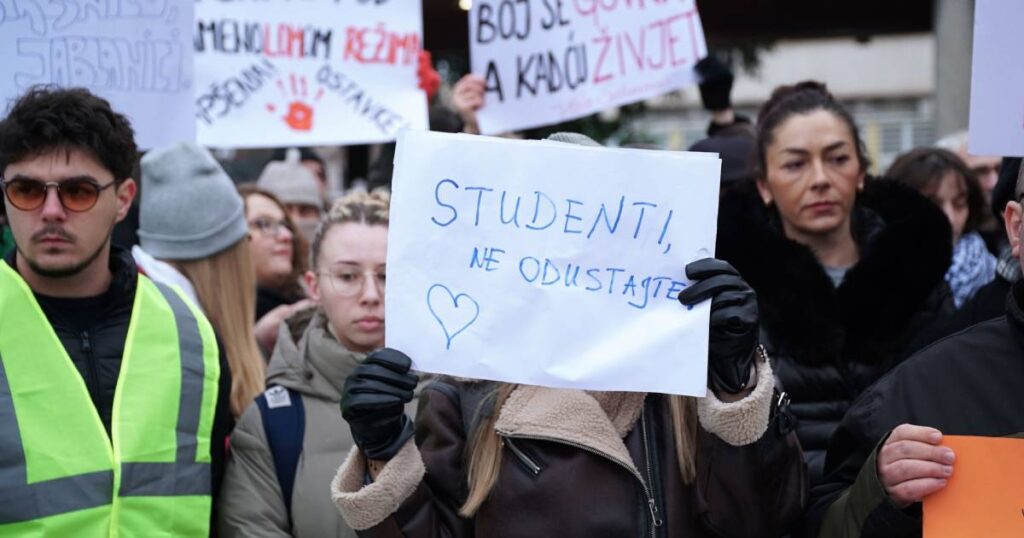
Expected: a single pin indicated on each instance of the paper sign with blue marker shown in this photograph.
(548, 263)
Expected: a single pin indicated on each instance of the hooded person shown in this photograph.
(193, 234)
(297, 188)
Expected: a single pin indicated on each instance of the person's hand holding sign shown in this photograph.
(468, 97)
(911, 465)
(734, 324)
(373, 403)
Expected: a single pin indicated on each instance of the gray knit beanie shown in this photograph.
(190, 208)
(291, 182)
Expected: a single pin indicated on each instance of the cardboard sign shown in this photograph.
(307, 72)
(997, 79)
(985, 494)
(548, 61)
(548, 263)
(137, 55)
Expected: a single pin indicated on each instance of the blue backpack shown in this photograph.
(284, 422)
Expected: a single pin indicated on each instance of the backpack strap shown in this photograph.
(284, 422)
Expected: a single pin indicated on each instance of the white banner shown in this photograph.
(307, 72)
(997, 79)
(548, 263)
(137, 55)
(548, 61)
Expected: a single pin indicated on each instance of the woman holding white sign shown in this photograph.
(287, 445)
(846, 270)
(493, 459)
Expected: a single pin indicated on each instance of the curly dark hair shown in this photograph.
(46, 118)
(800, 98)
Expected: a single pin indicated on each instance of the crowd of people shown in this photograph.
(227, 374)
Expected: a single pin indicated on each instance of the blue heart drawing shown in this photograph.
(453, 314)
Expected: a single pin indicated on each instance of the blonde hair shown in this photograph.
(361, 207)
(226, 286)
(484, 451)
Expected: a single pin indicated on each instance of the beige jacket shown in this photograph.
(309, 360)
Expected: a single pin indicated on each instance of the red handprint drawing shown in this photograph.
(299, 116)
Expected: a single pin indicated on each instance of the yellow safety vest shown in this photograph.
(60, 473)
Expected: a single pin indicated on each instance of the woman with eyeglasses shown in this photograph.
(279, 256)
(288, 444)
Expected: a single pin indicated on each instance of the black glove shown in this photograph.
(715, 83)
(734, 321)
(373, 403)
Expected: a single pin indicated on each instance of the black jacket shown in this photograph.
(966, 384)
(829, 344)
(93, 331)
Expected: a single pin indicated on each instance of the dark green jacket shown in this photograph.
(966, 384)
(6, 240)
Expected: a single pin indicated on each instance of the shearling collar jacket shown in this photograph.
(579, 464)
(828, 344)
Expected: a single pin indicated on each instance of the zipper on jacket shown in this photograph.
(523, 458)
(647, 492)
(652, 499)
(90, 363)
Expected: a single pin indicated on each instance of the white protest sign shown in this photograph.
(307, 72)
(135, 54)
(997, 79)
(548, 263)
(547, 61)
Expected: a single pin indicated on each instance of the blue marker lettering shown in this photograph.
(611, 282)
(536, 212)
(657, 281)
(597, 281)
(664, 230)
(604, 211)
(515, 215)
(630, 286)
(569, 216)
(548, 278)
(479, 199)
(437, 198)
(536, 272)
(677, 287)
(575, 272)
(646, 285)
(640, 221)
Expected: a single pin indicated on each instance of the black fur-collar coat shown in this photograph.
(829, 344)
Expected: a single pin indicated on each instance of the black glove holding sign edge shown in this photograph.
(733, 338)
(373, 403)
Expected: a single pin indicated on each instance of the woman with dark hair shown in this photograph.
(846, 270)
(947, 181)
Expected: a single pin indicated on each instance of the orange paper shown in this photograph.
(985, 495)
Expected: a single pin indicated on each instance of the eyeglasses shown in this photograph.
(76, 194)
(351, 282)
(269, 226)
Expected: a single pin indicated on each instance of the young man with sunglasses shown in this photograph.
(111, 417)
